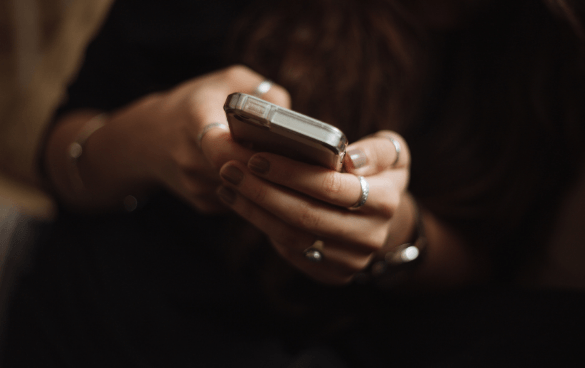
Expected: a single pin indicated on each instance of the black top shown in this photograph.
(159, 286)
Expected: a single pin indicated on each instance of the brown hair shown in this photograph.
(491, 103)
(352, 64)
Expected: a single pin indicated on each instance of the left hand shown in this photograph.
(295, 204)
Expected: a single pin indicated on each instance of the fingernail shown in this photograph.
(357, 158)
(259, 165)
(232, 174)
(226, 194)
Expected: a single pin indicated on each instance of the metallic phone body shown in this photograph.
(267, 127)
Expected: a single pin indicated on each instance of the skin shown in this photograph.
(152, 143)
(296, 203)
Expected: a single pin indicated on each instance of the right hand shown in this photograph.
(296, 204)
(159, 134)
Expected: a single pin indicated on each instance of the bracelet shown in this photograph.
(75, 149)
(394, 266)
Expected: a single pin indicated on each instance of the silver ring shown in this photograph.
(314, 252)
(397, 147)
(262, 88)
(365, 190)
(207, 128)
(313, 255)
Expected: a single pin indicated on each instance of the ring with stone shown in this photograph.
(314, 252)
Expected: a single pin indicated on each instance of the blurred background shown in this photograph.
(41, 46)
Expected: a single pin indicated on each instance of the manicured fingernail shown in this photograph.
(232, 174)
(259, 165)
(226, 194)
(357, 158)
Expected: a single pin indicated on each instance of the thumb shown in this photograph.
(376, 153)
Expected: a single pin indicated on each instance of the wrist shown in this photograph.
(84, 164)
(404, 250)
(76, 150)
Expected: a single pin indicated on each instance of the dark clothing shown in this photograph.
(158, 286)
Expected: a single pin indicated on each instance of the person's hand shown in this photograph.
(157, 137)
(297, 204)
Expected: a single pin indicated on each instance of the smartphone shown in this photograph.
(263, 126)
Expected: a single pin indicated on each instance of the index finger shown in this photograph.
(376, 153)
(237, 78)
(217, 144)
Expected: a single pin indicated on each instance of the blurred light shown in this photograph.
(409, 254)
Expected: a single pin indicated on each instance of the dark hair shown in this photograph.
(492, 104)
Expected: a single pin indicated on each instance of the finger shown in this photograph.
(330, 270)
(310, 215)
(243, 79)
(219, 85)
(315, 181)
(216, 143)
(200, 169)
(288, 241)
(199, 191)
(382, 151)
(340, 263)
(218, 147)
(197, 184)
(340, 189)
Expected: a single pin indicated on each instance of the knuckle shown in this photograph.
(332, 183)
(393, 203)
(385, 158)
(308, 219)
(260, 194)
(388, 208)
(184, 160)
(374, 241)
(236, 71)
(390, 202)
(218, 156)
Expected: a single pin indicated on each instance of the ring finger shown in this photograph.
(300, 211)
(339, 189)
(339, 262)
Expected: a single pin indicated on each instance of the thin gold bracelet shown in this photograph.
(75, 149)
